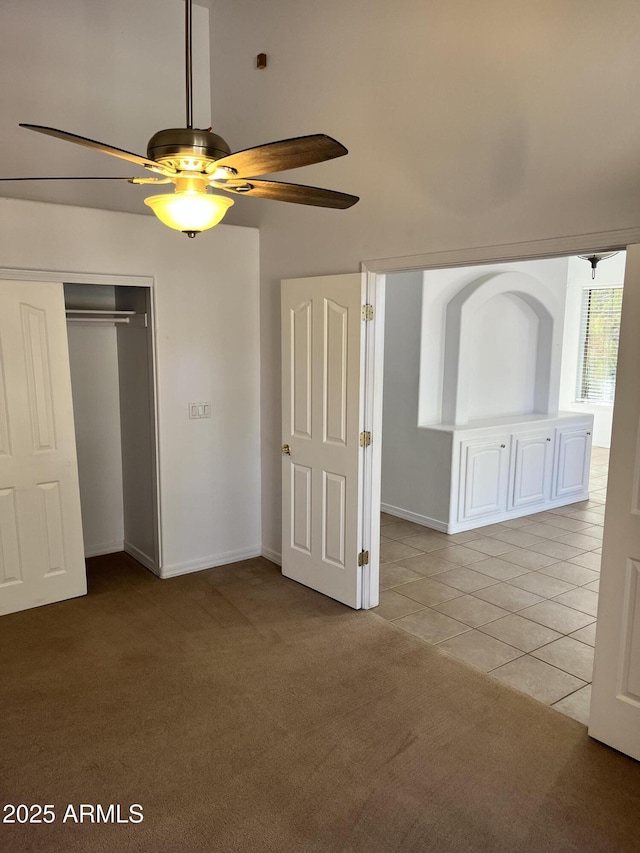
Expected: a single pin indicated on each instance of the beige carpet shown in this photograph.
(247, 713)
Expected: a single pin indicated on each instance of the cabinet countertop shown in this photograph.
(520, 421)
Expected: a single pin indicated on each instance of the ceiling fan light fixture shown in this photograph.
(195, 159)
(189, 210)
(595, 259)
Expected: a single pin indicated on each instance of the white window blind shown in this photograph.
(599, 334)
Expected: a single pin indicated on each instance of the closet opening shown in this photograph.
(110, 338)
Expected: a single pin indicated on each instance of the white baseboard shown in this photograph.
(211, 562)
(274, 556)
(147, 561)
(105, 548)
(521, 512)
(407, 515)
(472, 524)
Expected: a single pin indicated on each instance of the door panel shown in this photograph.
(301, 505)
(631, 654)
(335, 372)
(5, 442)
(10, 562)
(574, 456)
(615, 702)
(334, 518)
(533, 461)
(484, 477)
(41, 548)
(301, 370)
(52, 530)
(321, 394)
(36, 352)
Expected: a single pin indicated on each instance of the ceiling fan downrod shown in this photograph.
(188, 38)
(185, 149)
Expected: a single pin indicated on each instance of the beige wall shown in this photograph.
(206, 342)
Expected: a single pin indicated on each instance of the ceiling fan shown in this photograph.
(195, 160)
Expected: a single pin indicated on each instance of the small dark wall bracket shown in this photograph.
(261, 60)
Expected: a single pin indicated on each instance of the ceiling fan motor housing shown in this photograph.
(187, 149)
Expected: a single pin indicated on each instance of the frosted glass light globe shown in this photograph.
(190, 211)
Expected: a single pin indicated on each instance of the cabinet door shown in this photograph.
(573, 458)
(484, 477)
(532, 469)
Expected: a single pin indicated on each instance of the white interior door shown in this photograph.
(322, 365)
(615, 702)
(41, 547)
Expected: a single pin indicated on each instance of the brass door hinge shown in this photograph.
(365, 439)
(363, 558)
(367, 312)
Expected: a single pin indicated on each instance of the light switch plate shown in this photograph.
(199, 410)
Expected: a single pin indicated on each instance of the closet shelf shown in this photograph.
(103, 312)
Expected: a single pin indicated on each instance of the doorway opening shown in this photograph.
(498, 399)
(317, 518)
(110, 336)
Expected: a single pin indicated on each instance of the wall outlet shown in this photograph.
(199, 410)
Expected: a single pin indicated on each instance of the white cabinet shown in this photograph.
(572, 465)
(532, 469)
(484, 477)
(507, 467)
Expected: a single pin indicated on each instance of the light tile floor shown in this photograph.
(517, 600)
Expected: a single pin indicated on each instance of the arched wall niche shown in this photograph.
(536, 301)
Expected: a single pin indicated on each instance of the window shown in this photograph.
(599, 333)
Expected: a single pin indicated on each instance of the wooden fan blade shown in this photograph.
(295, 193)
(99, 146)
(283, 155)
(82, 178)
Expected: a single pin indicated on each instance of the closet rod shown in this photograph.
(106, 321)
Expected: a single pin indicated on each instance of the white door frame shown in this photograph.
(375, 272)
(117, 280)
